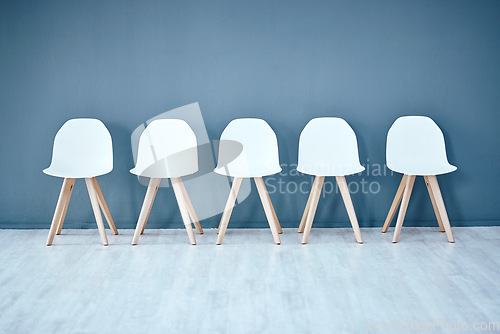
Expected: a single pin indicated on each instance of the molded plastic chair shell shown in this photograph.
(248, 148)
(415, 146)
(328, 147)
(82, 149)
(167, 149)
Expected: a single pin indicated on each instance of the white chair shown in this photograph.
(248, 149)
(415, 146)
(167, 149)
(328, 147)
(82, 149)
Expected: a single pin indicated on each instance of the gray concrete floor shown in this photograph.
(248, 284)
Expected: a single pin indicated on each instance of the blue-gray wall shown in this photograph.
(285, 61)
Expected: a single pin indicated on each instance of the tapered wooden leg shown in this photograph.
(275, 217)
(306, 210)
(71, 185)
(97, 211)
(63, 197)
(149, 210)
(154, 183)
(315, 192)
(395, 204)
(190, 208)
(181, 201)
(228, 209)
(440, 205)
(261, 188)
(346, 196)
(404, 205)
(104, 206)
(434, 205)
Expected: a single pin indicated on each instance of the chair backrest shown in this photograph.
(167, 149)
(415, 146)
(248, 148)
(328, 147)
(82, 148)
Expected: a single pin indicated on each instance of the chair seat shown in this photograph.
(255, 171)
(422, 170)
(415, 146)
(167, 149)
(321, 170)
(75, 173)
(162, 170)
(82, 149)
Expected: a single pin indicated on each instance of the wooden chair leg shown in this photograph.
(306, 210)
(315, 192)
(410, 180)
(104, 206)
(66, 204)
(261, 189)
(181, 202)
(346, 196)
(395, 204)
(434, 205)
(440, 205)
(276, 221)
(275, 217)
(63, 197)
(149, 210)
(228, 209)
(190, 208)
(154, 183)
(97, 211)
